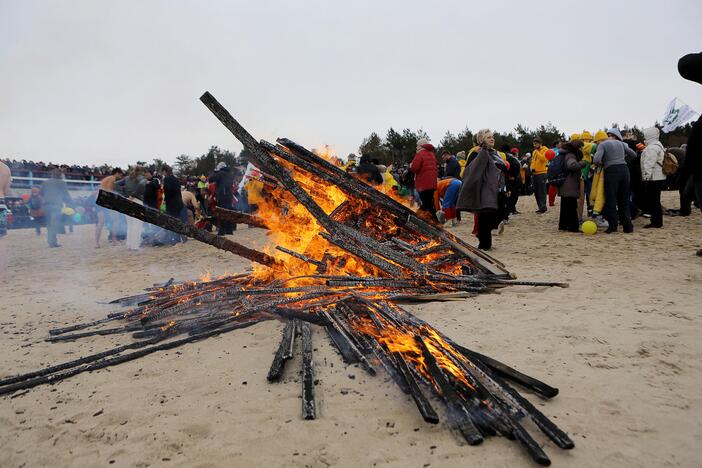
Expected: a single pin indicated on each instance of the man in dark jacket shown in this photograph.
(690, 68)
(368, 171)
(174, 202)
(451, 166)
(223, 179)
(55, 193)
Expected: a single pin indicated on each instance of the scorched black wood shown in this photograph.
(309, 410)
(116, 202)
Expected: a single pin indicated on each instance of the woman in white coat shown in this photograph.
(652, 175)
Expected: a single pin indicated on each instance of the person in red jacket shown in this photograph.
(426, 172)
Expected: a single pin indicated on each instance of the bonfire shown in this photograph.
(342, 259)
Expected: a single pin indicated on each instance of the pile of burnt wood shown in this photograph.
(349, 258)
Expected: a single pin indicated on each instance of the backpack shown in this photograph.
(670, 164)
(556, 173)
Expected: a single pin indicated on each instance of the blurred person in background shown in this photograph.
(55, 194)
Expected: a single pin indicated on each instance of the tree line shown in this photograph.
(399, 147)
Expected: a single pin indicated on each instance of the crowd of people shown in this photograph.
(604, 178)
(24, 168)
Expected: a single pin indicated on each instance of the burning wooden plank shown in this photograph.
(309, 408)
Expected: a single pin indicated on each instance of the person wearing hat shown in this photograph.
(223, 180)
(426, 173)
(451, 166)
(612, 155)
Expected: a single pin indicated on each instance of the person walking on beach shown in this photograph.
(652, 176)
(612, 154)
(426, 174)
(55, 193)
(539, 167)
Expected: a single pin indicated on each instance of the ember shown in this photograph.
(344, 257)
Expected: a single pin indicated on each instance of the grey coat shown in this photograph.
(571, 185)
(481, 183)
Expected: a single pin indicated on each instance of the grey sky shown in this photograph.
(96, 81)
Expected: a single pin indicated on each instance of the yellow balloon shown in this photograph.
(68, 211)
(589, 228)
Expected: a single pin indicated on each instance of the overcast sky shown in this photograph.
(95, 82)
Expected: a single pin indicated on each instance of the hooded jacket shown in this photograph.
(652, 156)
(539, 163)
(425, 168)
(571, 185)
(613, 152)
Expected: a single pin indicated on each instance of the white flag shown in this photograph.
(676, 115)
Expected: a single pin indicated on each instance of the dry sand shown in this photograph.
(622, 344)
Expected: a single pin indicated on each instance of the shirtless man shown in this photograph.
(5, 180)
(192, 204)
(107, 184)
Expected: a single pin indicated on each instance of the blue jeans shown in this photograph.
(53, 223)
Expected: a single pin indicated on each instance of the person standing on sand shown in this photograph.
(612, 154)
(690, 68)
(652, 176)
(223, 179)
(481, 186)
(426, 174)
(173, 199)
(55, 193)
(539, 168)
(572, 157)
(103, 214)
(133, 188)
(5, 181)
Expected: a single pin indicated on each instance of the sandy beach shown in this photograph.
(622, 344)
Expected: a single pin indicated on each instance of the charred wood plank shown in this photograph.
(118, 203)
(309, 409)
(340, 328)
(341, 344)
(531, 446)
(239, 217)
(101, 364)
(284, 352)
(423, 405)
(507, 372)
(300, 256)
(457, 410)
(267, 163)
(81, 326)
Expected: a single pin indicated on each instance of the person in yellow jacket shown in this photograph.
(588, 150)
(539, 167)
(461, 156)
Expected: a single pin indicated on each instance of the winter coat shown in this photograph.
(539, 163)
(652, 156)
(369, 172)
(224, 180)
(453, 169)
(425, 168)
(481, 183)
(571, 185)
